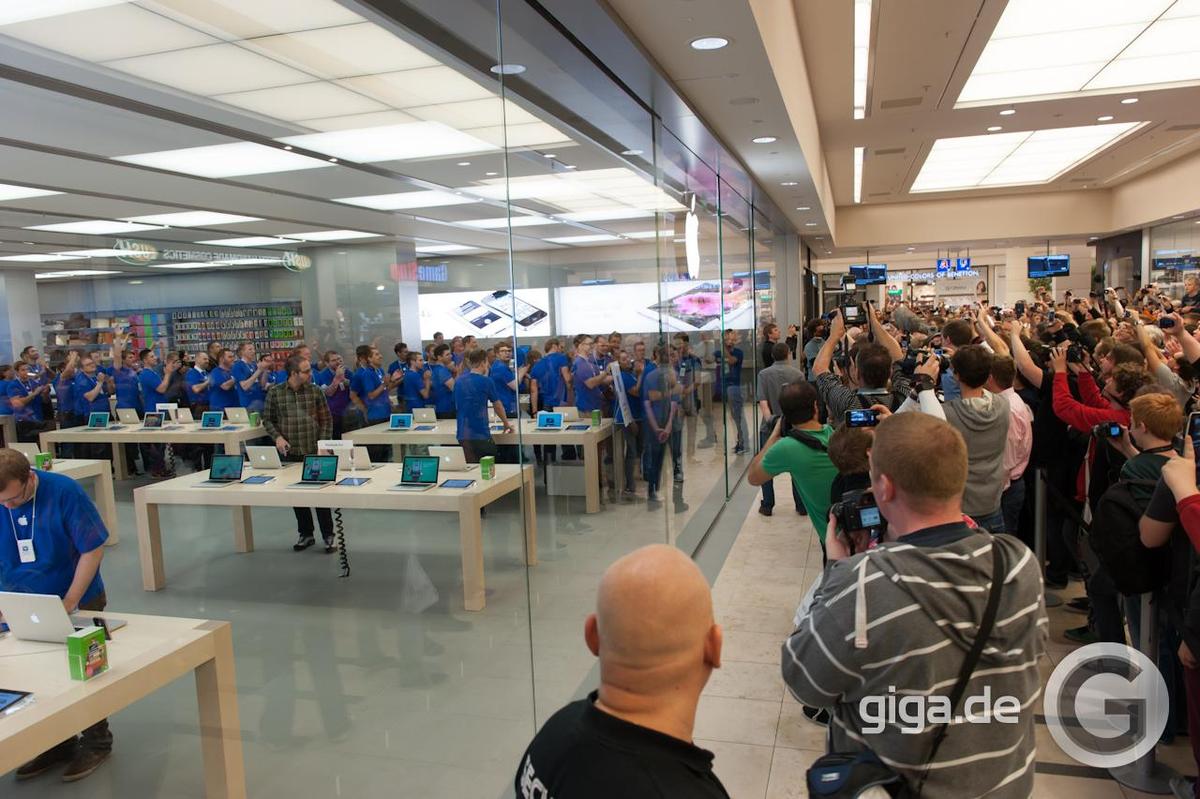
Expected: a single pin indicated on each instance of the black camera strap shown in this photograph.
(986, 624)
(808, 440)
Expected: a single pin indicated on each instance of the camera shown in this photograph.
(1020, 308)
(857, 512)
(1075, 353)
(1165, 323)
(861, 417)
(851, 313)
(1107, 430)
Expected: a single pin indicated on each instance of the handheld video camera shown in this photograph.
(1107, 430)
(857, 512)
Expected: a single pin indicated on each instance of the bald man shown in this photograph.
(654, 633)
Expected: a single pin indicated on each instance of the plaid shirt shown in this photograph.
(301, 416)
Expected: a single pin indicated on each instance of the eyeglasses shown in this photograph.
(19, 494)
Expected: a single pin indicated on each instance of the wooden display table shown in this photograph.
(189, 433)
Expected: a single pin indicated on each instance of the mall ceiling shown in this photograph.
(289, 122)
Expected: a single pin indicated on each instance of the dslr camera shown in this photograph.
(857, 512)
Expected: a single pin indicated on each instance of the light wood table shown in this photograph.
(375, 495)
(101, 472)
(145, 655)
(8, 429)
(445, 433)
(135, 434)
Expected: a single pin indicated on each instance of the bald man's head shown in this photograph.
(653, 628)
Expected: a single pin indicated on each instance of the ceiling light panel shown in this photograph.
(1072, 47)
(101, 34)
(192, 219)
(291, 103)
(356, 121)
(439, 249)
(1013, 159)
(472, 113)
(533, 134)
(331, 235)
(504, 221)
(417, 87)
(77, 273)
(587, 239)
(238, 19)
(249, 241)
(392, 143)
(225, 160)
(40, 258)
(211, 70)
(9, 191)
(95, 227)
(862, 53)
(21, 10)
(605, 214)
(650, 234)
(344, 51)
(407, 200)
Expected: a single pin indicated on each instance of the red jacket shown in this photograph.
(1189, 516)
(1083, 416)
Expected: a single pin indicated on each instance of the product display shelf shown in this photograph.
(274, 327)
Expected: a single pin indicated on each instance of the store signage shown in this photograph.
(1182, 262)
(925, 277)
(943, 264)
(144, 253)
(428, 273)
(961, 264)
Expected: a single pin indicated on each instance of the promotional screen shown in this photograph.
(420, 470)
(322, 467)
(869, 274)
(684, 305)
(1049, 265)
(485, 314)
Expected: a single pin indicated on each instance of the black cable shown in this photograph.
(169, 459)
(341, 542)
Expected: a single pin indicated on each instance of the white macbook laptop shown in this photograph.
(127, 416)
(41, 617)
(451, 459)
(237, 415)
(184, 415)
(424, 415)
(362, 460)
(30, 451)
(318, 471)
(549, 420)
(569, 412)
(264, 457)
(419, 473)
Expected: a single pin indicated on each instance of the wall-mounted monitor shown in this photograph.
(1049, 265)
(869, 274)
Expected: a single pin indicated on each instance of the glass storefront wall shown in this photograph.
(340, 174)
(1174, 255)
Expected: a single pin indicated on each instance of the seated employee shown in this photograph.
(296, 416)
(442, 382)
(654, 633)
(52, 542)
(26, 398)
(473, 392)
(251, 377)
(222, 387)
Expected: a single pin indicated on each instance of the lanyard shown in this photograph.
(33, 525)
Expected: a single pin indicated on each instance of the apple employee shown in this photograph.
(51, 542)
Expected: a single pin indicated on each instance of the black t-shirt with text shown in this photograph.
(581, 752)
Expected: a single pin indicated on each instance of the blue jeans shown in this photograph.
(1011, 502)
(735, 403)
(653, 454)
(993, 522)
(768, 488)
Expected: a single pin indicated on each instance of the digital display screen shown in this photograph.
(870, 516)
(419, 470)
(354, 481)
(458, 484)
(98, 420)
(1049, 265)
(322, 468)
(860, 418)
(683, 306)
(211, 419)
(153, 420)
(486, 313)
(401, 421)
(10, 698)
(550, 420)
(869, 274)
(226, 467)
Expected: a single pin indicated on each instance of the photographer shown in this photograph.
(864, 636)
(873, 371)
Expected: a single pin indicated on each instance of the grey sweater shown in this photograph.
(983, 422)
(902, 617)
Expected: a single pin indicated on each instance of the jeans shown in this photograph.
(768, 488)
(735, 402)
(304, 522)
(676, 442)
(654, 452)
(1011, 502)
(993, 522)
(632, 442)
(474, 449)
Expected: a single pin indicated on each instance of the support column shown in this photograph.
(20, 318)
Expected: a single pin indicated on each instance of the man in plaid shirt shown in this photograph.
(297, 416)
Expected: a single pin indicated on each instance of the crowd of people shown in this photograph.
(913, 442)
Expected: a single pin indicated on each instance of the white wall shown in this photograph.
(20, 324)
(176, 290)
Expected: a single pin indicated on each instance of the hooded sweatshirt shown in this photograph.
(983, 422)
(900, 619)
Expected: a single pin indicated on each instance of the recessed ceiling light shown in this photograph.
(381, 287)
(287, 146)
(11, 192)
(1008, 112)
(464, 163)
(994, 128)
(407, 199)
(192, 219)
(136, 282)
(402, 142)
(910, 249)
(508, 69)
(331, 235)
(41, 258)
(491, 174)
(606, 214)
(249, 241)
(1105, 118)
(810, 224)
(789, 183)
(38, 9)
(224, 160)
(803, 208)
(586, 239)
(1129, 101)
(549, 155)
(436, 249)
(95, 227)
(861, 55)
(709, 43)
(631, 152)
(77, 273)
(765, 139)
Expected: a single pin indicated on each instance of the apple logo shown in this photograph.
(33, 617)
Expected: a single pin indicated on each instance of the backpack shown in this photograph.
(1115, 539)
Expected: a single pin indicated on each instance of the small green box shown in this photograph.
(255, 419)
(44, 461)
(87, 653)
(487, 467)
(595, 418)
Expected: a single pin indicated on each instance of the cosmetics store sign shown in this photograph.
(136, 252)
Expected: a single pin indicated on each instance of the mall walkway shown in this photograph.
(763, 743)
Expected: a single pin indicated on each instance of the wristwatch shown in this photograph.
(920, 383)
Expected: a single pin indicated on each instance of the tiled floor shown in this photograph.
(763, 744)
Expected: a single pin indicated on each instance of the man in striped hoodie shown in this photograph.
(899, 619)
